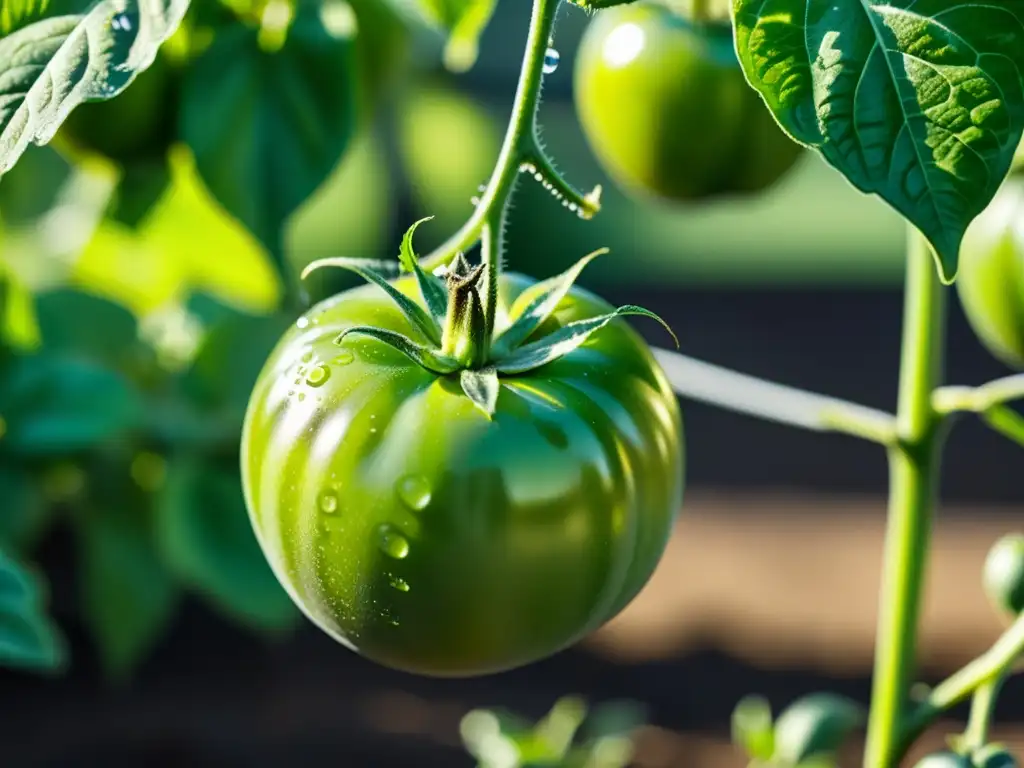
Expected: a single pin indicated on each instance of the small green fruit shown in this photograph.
(815, 725)
(994, 756)
(1004, 574)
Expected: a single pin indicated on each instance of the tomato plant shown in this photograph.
(455, 523)
(665, 107)
(458, 469)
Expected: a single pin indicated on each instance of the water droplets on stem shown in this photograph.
(392, 542)
(551, 59)
(414, 491)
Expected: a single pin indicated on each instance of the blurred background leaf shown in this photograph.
(206, 539)
(128, 595)
(28, 639)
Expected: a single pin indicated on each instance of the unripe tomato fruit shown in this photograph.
(428, 537)
(943, 760)
(139, 124)
(667, 111)
(1004, 574)
(994, 756)
(991, 276)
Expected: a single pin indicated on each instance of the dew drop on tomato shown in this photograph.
(344, 357)
(328, 502)
(318, 375)
(393, 543)
(414, 491)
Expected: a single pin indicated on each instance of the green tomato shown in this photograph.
(944, 760)
(666, 109)
(426, 536)
(991, 276)
(137, 125)
(1004, 574)
(994, 756)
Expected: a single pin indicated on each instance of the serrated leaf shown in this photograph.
(567, 338)
(54, 405)
(816, 725)
(268, 127)
(413, 312)
(482, 387)
(424, 356)
(465, 21)
(205, 537)
(128, 595)
(918, 101)
(432, 288)
(752, 728)
(28, 638)
(57, 55)
(538, 302)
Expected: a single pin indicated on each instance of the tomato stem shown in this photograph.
(491, 255)
(521, 148)
(707, 383)
(913, 465)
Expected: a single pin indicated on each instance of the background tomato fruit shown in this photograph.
(414, 529)
(139, 124)
(666, 109)
(991, 277)
(1004, 574)
(994, 756)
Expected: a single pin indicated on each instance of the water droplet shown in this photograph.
(400, 584)
(318, 376)
(414, 491)
(344, 357)
(393, 543)
(328, 502)
(121, 23)
(551, 59)
(302, 322)
(307, 357)
(301, 396)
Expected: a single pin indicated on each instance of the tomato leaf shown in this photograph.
(918, 101)
(567, 338)
(482, 387)
(28, 638)
(432, 288)
(18, 323)
(57, 55)
(128, 595)
(413, 312)
(424, 356)
(60, 405)
(268, 127)
(205, 537)
(464, 21)
(538, 302)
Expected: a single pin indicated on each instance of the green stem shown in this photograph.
(997, 662)
(983, 708)
(520, 139)
(913, 466)
(712, 384)
(491, 257)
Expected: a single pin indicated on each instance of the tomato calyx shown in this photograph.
(453, 327)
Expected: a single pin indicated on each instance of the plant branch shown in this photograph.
(519, 148)
(996, 663)
(983, 709)
(913, 463)
(707, 383)
(1006, 422)
(948, 400)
